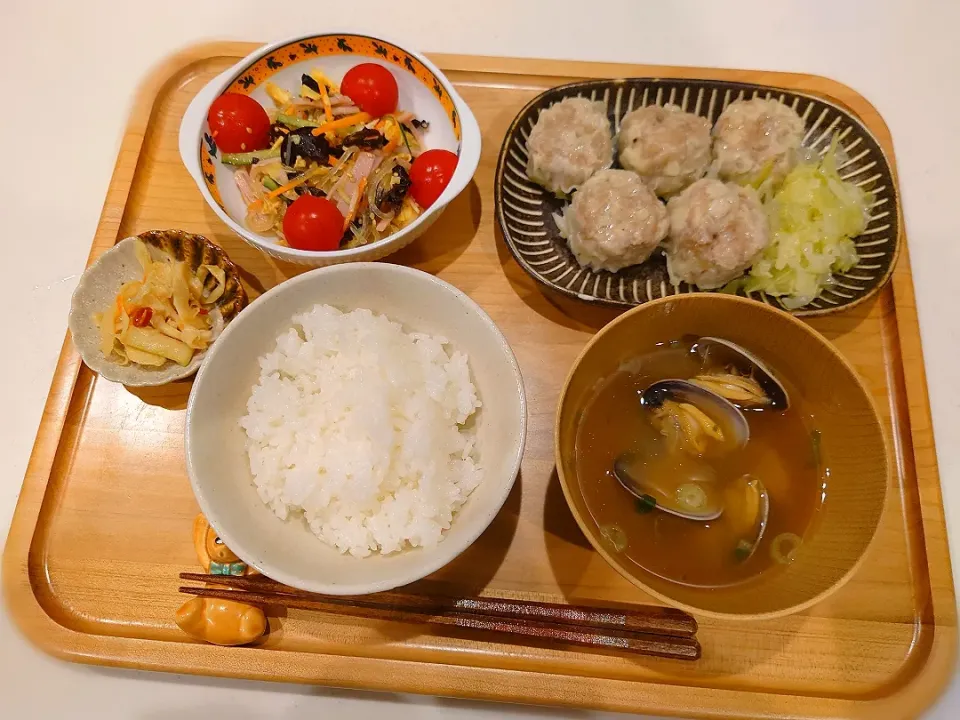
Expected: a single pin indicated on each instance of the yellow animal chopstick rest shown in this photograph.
(214, 620)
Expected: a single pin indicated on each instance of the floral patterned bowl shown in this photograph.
(423, 90)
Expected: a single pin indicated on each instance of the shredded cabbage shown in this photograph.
(813, 218)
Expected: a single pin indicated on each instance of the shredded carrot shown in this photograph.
(391, 146)
(399, 137)
(325, 99)
(355, 203)
(288, 187)
(360, 117)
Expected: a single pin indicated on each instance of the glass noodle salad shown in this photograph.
(330, 167)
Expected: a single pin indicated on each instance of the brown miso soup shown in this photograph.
(782, 452)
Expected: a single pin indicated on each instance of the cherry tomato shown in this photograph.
(372, 88)
(313, 223)
(238, 123)
(430, 175)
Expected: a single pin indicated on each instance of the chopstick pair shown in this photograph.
(643, 629)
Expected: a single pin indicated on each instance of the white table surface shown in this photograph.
(70, 71)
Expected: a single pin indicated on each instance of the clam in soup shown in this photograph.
(699, 464)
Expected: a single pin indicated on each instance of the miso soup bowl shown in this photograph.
(853, 444)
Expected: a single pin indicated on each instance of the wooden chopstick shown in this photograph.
(681, 647)
(666, 646)
(650, 619)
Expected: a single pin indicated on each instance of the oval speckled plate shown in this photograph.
(525, 210)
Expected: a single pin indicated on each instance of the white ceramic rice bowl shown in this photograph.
(217, 463)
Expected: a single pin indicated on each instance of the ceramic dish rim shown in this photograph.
(603, 302)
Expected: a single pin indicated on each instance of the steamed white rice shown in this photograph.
(360, 427)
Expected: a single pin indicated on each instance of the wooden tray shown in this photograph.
(103, 524)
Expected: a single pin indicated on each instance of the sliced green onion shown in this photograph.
(743, 550)
(247, 158)
(614, 536)
(776, 548)
(691, 496)
(815, 448)
(645, 504)
(269, 183)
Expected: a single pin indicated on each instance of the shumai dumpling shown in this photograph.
(667, 147)
(570, 141)
(613, 221)
(717, 231)
(755, 140)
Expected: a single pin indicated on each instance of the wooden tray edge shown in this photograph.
(24, 607)
(517, 686)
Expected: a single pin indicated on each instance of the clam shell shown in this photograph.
(727, 353)
(722, 411)
(756, 525)
(627, 470)
(98, 288)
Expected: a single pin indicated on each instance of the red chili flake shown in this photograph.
(202, 311)
(141, 317)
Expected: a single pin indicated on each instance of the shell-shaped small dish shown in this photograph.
(101, 281)
(527, 213)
